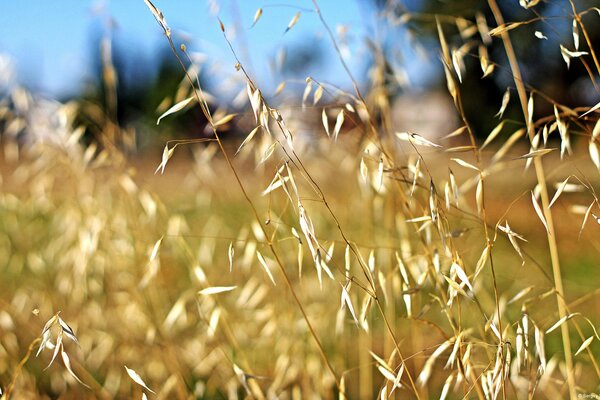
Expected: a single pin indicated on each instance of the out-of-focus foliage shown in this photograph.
(539, 58)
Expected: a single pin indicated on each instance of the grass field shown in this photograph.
(79, 239)
(355, 261)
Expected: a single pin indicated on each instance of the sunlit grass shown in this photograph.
(355, 261)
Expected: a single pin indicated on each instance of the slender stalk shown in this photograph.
(17, 372)
(483, 217)
(539, 170)
(206, 111)
(365, 373)
(297, 162)
(586, 36)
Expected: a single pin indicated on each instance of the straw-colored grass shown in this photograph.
(358, 261)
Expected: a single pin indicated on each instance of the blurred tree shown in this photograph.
(128, 92)
(540, 58)
(301, 58)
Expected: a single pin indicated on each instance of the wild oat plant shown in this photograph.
(355, 260)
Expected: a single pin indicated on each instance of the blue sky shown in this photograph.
(51, 41)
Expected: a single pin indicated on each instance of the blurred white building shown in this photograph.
(430, 114)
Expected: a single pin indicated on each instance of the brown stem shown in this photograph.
(585, 35)
(288, 282)
(11, 386)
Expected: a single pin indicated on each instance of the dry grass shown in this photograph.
(341, 264)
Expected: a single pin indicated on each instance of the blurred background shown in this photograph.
(112, 57)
